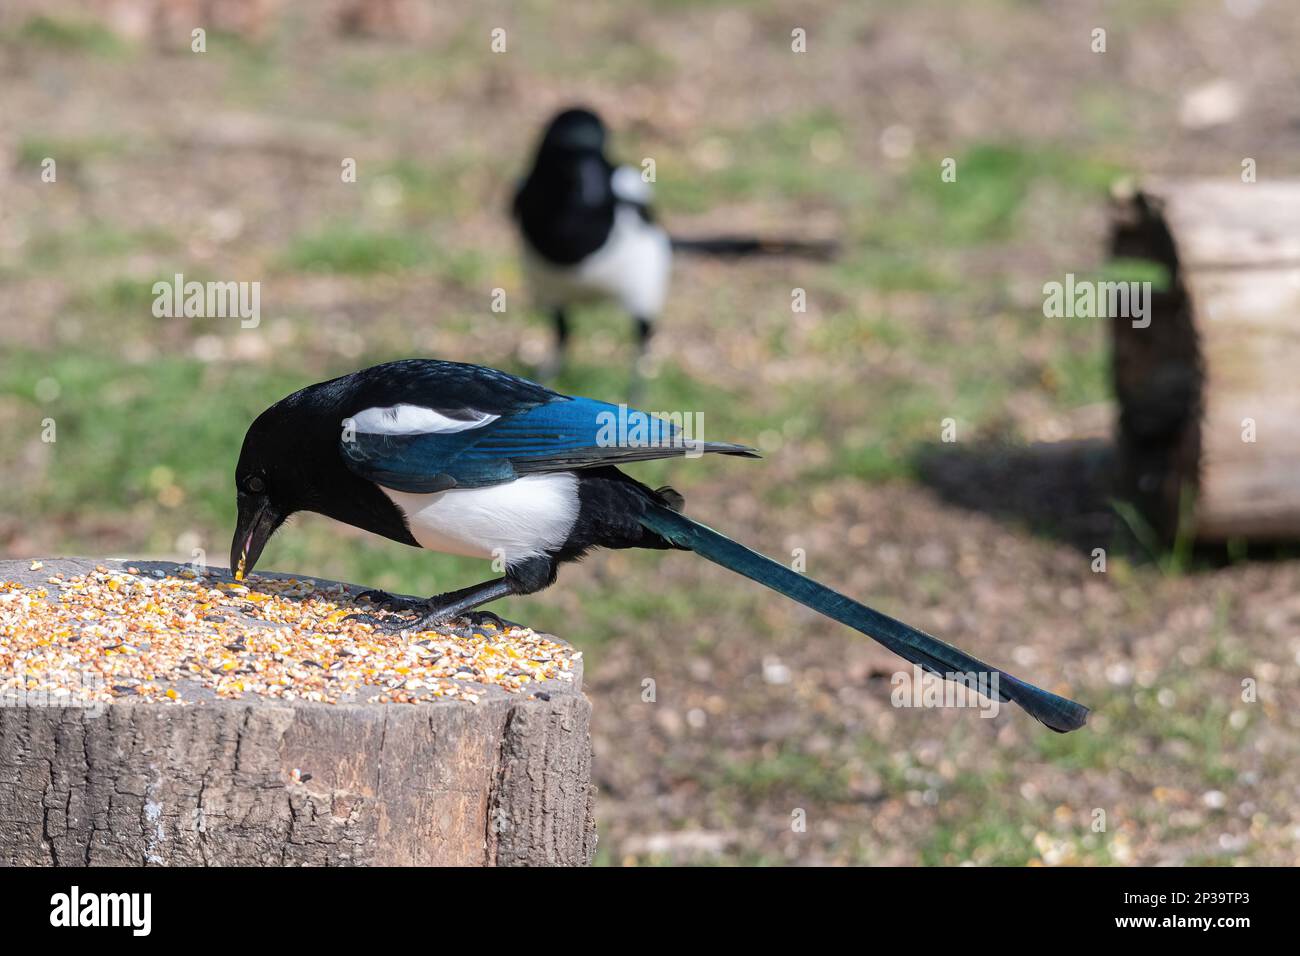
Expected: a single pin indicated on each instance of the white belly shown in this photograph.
(512, 521)
(632, 268)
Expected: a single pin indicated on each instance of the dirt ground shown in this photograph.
(771, 737)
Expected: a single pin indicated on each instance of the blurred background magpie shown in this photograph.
(472, 461)
(589, 233)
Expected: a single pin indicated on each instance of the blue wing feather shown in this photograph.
(558, 435)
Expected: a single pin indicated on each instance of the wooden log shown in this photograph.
(261, 781)
(1209, 393)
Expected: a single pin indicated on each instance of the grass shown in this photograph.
(67, 35)
(355, 251)
(96, 241)
(119, 297)
(348, 250)
(992, 181)
(67, 152)
(119, 422)
(1078, 377)
(1174, 557)
(1136, 270)
(790, 773)
(772, 158)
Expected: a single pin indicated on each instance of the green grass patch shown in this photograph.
(771, 158)
(1123, 269)
(789, 773)
(123, 296)
(127, 431)
(96, 241)
(989, 842)
(66, 152)
(356, 251)
(992, 181)
(1079, 375)
(890, 270)
(69, 35)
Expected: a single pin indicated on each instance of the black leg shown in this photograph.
(644, 330)
(443, 607)
(525, 577)
(561, 320)
(555, 364)
(459, 603)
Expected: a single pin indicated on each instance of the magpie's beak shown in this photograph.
(257, 521)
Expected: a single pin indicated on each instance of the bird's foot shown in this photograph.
(393, 622)
(377, 622)
(431, 611)
(485, 618)
(390, 601)
(432, 617)
(437, 616)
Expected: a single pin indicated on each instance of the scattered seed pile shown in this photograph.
(110, 633)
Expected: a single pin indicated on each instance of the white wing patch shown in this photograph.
(514, 520)
(415, 420)
(630, 187)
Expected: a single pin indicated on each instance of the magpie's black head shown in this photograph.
(574, 131)
(565, 205)
(290, 462)
(271, 483)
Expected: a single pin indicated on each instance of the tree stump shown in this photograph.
(1209, 393)
(258, 781)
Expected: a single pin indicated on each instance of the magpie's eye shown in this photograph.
(255, 485)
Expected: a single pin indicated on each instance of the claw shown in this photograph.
(383, 598)
(388, 625)
(425, 621)
(394, 624)
(480, 618)
(366, 619)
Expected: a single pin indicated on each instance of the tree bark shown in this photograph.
(255, 781)
(1209, 393)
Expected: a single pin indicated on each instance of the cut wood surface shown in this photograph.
(262, 781)
(1210, 392)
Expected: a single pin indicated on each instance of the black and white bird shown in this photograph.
(589, 233)
(471, 461)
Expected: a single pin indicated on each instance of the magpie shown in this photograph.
(472, 461)
(589, 233)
